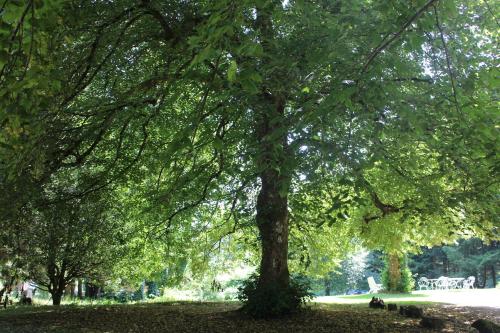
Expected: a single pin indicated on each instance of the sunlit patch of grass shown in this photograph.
(471, 297)
(383, 296)
(361, 306)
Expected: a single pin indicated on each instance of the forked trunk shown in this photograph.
(58, 284)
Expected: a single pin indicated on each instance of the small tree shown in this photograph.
(71, 240)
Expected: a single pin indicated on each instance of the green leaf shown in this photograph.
(231, 72)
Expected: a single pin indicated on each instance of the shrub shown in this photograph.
(407, 280)
(271, 300)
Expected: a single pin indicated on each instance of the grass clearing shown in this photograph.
(471, 297)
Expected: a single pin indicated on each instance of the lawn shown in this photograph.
(471, 297)
(225, 317)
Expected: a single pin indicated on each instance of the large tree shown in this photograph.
(249, 106)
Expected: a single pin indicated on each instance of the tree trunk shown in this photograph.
(272, 221)
(2, 291)
(327, 287)
(274, 163)
(70, 290)
(493, 276)
(394, 272)
(272, 202)
(80, 289)
(58, 289)
(483, 284)
(56, 297)
(87, 289)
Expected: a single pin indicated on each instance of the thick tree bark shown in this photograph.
(394, 270)
(272, 202)
(272, 221)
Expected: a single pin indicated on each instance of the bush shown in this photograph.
(407, 280)
(271, 300)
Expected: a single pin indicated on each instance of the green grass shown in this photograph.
(363, 300)
(383, 296)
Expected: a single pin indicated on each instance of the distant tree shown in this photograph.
(472, 257)
(430, 262)
(468, 257)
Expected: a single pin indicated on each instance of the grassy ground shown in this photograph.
(224, 317)
(470, 297)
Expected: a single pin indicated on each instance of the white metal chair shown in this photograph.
(442, 283)
(469, 283)
(424, 282)
(374, 287)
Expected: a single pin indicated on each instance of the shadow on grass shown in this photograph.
(196, 317)
(213, 317)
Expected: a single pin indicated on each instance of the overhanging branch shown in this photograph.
(386, 42)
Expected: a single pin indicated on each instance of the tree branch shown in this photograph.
(385, 43)
(448, 62)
